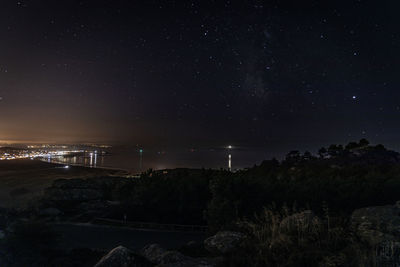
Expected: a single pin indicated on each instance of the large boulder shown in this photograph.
(153, 253)
(224, 242)
(378, 223)
(158, 255)
(379, 227)
(122, 257)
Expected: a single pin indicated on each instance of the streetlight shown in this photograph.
(229, 158)
(140, 159)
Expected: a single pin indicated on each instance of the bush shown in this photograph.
(298, 238)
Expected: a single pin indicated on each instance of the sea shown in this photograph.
(137, 160)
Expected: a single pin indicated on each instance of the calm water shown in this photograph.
(129, 158)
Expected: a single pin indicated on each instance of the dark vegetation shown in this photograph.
(179, 196)
(341, 178)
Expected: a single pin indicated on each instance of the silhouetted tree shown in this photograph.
(307, 155)
(335, 150)
(322, 152)
(363, 142)
(352, 145)
(293, 156)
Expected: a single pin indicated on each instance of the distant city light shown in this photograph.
(34, 152)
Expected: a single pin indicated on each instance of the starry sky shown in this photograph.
(275, 75)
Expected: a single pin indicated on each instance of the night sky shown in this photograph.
(272, 75)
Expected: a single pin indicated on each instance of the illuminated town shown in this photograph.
(65, 154)
(33, 153)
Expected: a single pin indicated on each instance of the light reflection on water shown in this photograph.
(87, 159)
(129, 159)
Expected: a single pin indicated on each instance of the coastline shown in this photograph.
(53, 161)
(22, 180)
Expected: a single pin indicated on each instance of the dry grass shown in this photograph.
(299, 238)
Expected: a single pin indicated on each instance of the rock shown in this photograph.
(157, 255)
(172, 257)
(224, 242)
(191, 263)
(52, 212)
(164, 258)
(172, 261)
(122, 257)
(379, 226)
(153, 253)
(378, 223)
(302, 220)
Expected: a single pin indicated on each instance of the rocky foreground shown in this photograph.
(377, 227)
(219, 245)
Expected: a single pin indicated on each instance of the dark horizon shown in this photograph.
(126, 156)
